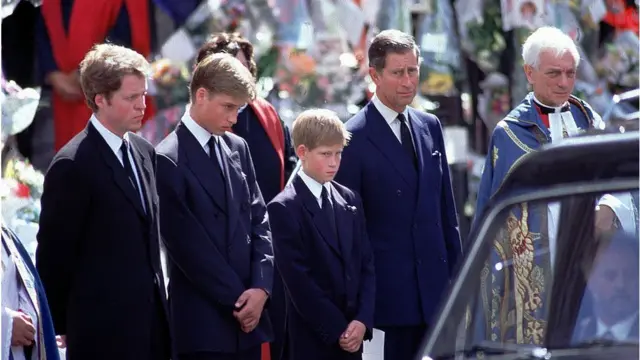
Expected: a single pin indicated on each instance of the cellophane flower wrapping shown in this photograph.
(316, 67)
(394, 14)
(494, 101)
(169, 83)
(480, 28)
(163, 123)
(439, 46)
(618, 63)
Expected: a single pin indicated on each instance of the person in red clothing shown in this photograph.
(69, 30)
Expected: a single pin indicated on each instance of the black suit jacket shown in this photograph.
(218, 245)
(98, 251)
(329, 280)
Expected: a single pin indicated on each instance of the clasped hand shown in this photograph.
(249, 308)
(352, 338)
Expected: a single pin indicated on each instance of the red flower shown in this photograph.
(22, 191)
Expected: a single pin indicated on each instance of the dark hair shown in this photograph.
(230, 43)
(390, 41)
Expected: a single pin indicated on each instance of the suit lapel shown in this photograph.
(311, 204)
(344, 222)
(384, 139)
(201, 167)
(144, 175)
(119, 174)
(423, 143)
(234, 180)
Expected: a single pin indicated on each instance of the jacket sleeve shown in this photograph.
(367, 291)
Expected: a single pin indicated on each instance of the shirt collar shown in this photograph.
(557, 109)
(200, 133)
(387, 113)
(620, 330)
(314, 186)
(114, 141)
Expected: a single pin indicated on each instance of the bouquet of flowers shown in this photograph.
(619, 63)
(21, 190)
(494, 102)
(170, 83)
(480, 28)
(441, 66)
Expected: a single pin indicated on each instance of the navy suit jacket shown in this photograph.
(411, 215)
(329, 281)
(218, 247)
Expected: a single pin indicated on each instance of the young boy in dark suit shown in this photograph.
(321, 248)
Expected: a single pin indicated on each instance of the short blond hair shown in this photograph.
(104, 67)
(319, 127)
(222, 73)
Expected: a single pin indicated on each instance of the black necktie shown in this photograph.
(545, 110)
(127, 165)
(327, 210)
(214, 147)
(407, 141)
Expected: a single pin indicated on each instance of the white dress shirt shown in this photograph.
(115, 142)
(14, 298)
(315, 187)
(391, 117)
(201, 135)
(620, 331)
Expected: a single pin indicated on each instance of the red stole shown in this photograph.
(270, 121)
(89, 24)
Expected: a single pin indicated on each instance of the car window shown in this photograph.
(554, 273)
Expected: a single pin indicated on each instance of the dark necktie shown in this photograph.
(407, 141)
(127, 165)
(214, 149)
(327, 210)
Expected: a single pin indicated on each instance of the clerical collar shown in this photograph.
(545, 109)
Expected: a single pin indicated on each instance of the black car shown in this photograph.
(551, 271)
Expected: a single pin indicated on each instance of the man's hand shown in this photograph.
(61, 341)
(23, 331)
(66, 85)
(351, 339)
(249, 308)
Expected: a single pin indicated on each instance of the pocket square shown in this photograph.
(352, 209)
(436, 153)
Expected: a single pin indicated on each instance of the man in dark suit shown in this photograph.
(98, 246)
(321, 248)
(396, 161)
(214, 221)
(612, 281)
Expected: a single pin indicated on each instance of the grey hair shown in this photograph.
(548, 38)
(390, 41)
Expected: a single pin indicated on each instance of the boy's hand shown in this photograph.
(351, 339)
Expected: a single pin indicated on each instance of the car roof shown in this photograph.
(577, 160)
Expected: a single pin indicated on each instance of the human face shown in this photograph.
(614, 284)
(397, 83)
(321, 163)
(124, 109)
(554, 78)
(217, 113)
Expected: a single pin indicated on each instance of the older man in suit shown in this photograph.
(396, 161)
(98, 245)
(214, 221)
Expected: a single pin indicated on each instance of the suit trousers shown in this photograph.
(403, 342)
(251, 354)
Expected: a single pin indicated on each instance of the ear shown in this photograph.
(301, 152)
(201, 94)
(101, 101)
(528, 71)
(375, 76)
